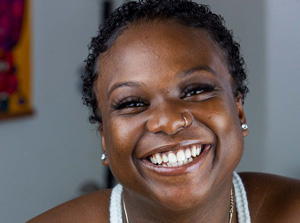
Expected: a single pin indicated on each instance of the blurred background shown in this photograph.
(54, 155)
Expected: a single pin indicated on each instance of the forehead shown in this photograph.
(158, 47)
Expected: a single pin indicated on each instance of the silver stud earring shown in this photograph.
(244, 127)
(103, 156)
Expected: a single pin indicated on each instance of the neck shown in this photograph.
(213, 208)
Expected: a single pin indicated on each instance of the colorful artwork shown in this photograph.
(15, 78)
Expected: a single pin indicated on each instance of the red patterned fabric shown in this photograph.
(11, 17)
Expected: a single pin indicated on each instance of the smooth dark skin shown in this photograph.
(153, 57)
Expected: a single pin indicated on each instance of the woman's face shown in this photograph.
(154, 74)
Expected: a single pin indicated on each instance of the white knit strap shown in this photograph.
(241, 200)
(116, 204)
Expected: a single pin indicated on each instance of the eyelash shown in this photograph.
(131, 102)
(136, 102)
(192, 90)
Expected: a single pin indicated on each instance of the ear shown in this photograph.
(104, 162)
(242, 117)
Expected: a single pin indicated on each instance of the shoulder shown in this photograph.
(272, 198)
(93, 207)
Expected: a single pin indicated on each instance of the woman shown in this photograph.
(166, 83)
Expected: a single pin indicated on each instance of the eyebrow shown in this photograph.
(189, 71)
(123, 84)
(181, 74)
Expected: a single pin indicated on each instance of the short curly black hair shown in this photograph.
(183, 11)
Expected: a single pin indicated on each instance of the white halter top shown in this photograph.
(241, 202)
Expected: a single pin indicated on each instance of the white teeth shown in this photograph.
(194, 151)
(165, 158)
(172, 158)
(158, 158)
(185, 161)
(180, 155)
(179, 158)
(153, 160)
(188, 153)
(198, 150)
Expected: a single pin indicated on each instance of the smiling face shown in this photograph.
(156, 75)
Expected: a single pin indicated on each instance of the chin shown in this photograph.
(179, 196)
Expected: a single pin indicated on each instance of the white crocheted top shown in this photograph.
(240, 201)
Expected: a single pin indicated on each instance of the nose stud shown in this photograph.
(185, 121)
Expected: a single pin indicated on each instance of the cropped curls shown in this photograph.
(183, 11)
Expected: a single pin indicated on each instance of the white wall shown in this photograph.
(46, 158)
(283, 91)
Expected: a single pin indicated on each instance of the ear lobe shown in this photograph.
(241, 113)
(105, 162)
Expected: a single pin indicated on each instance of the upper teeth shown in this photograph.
(177, 158)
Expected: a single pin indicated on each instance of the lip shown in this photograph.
(179, 170)
(173, 147)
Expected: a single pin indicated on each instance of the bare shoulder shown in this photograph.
(272, 198)
(93, 207)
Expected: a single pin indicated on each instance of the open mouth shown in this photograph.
(179, 157)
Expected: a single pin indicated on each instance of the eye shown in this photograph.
(130, 102)
(196, 89)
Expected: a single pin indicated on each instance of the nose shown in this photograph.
(169, 119)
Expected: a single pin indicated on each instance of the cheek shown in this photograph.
(220, 115)
(120, 138)
(229, 135)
